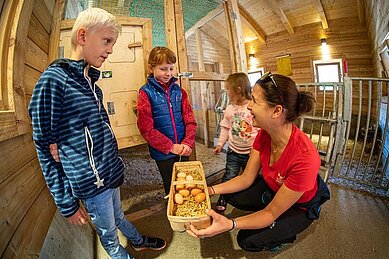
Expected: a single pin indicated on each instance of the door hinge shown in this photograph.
(185, 74)
(61, 51)
(111, 108)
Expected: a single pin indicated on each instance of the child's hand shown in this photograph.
(177, 149)
(79, 218)
(54, 152)
(186, 151)
(217, 149)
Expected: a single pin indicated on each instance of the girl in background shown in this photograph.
(236, 128)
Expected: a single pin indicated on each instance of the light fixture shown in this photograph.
(251, 55)
(323, 41)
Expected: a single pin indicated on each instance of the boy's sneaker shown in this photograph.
(152, 243)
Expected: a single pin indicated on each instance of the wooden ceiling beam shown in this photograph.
(218, 29)
(277, 8)
(211, 15)
(216, 40)
(252, 24)
(320, 9)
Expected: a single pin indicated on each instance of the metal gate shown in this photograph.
(349, 126)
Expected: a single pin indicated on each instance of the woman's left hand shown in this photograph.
(219, 225)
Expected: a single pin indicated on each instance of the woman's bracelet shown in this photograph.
(213, 191)
(233, 224)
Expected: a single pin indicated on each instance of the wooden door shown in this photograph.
(122, 74)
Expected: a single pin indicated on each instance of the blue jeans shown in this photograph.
(107, 215)
(235, 162)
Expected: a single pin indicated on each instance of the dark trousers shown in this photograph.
(283, 230)
(234, 163)
(166, 170)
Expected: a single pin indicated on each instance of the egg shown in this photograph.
(195, 191)
(183, 175)
(189, 178)
(180, 187)
(178, 198)
(200, 197)
(184, 192)
(190, 186)
(180, 179)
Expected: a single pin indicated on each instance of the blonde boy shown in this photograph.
(75, 143)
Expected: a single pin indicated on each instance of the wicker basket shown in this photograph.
(178, 223)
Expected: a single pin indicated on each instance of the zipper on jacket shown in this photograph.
(172, 117)
(93, 90)
(88, 137)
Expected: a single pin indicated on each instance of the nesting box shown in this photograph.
(190, 211)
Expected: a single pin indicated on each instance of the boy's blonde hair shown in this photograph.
(93, 19)
(160, 54)
(240, 79)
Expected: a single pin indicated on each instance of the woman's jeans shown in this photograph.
(283, 230)
(107, 215)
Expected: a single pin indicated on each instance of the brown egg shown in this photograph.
(180, 187)
(195, 191)
(184, 192)
(178, 198)
(190, 186)
(200, 197)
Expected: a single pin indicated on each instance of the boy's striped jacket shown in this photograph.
(67, 108)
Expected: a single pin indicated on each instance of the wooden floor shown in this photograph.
(353, 224)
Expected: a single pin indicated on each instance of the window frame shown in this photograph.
(260, 71)
(318, 63)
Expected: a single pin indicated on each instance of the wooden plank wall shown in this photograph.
(346, 37)
(377, 20)
(27, 208)
(26, 205)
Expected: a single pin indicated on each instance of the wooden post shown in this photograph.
(17, 58)
(203, 89)
(58, 15)
(236, 35)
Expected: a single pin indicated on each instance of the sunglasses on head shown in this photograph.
(265, 77)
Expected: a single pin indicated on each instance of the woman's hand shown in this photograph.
(211, 190)
(219, 225)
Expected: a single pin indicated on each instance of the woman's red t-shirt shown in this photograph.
(297, 167)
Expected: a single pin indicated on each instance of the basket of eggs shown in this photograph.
(188, 197)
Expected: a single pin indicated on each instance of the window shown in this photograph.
(255, 75)
(328, 71)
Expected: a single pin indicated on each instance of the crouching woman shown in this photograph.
(280, 186)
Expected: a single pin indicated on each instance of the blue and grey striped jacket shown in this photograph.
(67, 108)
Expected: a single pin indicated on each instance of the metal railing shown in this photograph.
(365, 154)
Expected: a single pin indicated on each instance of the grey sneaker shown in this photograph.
(152, 243)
